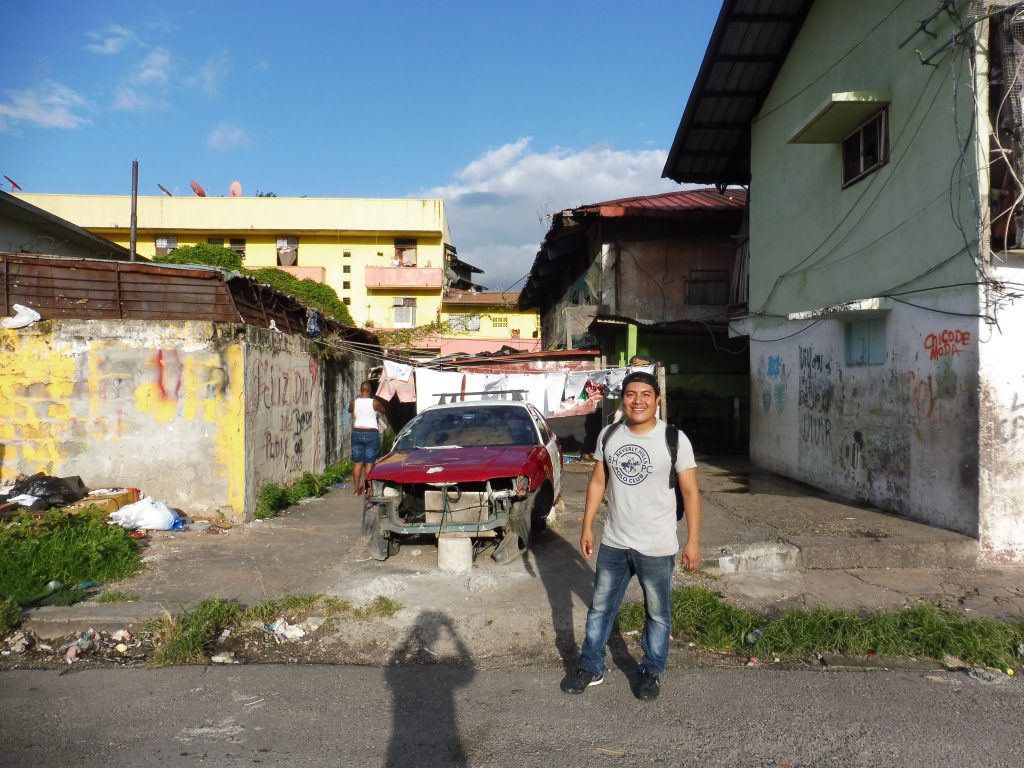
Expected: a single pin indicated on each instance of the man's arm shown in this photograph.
(595, 492)
(691, 500)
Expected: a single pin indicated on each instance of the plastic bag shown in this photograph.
(23, 317)
(50, 491)
(149, 514)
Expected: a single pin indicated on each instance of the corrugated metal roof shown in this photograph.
(703, 200)
(748, 45)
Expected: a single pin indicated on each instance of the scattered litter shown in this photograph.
(254, 703)
(19, 642)
(416, 552)
(48, 491)
(776, 659)
(213, 530)
(121, 636)
(631, 632)
(691, 644)
(121, 648)
(23, 317)
(284, 631)
(432, 653)
(1020, 650)
(148, 514)
(753, 661)
(1006, 670)
(53, 586)
(821, 659)
(72, 654)
(225, 634)
(227, 657)
(754, 635)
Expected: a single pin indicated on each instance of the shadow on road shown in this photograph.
(424, 730)
(565, 574)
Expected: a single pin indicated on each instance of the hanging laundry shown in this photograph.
(431, 384)
(398, 371)
(554, 386)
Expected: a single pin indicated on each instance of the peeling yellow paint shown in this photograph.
(32, 427)
(149, 400)
(230, 435)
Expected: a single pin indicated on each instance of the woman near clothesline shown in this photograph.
(365, 434)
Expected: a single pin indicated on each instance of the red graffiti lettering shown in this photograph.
(946, 343)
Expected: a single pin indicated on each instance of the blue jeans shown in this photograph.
(365, 446)
(615, 567)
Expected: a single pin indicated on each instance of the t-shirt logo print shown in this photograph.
(631, 464)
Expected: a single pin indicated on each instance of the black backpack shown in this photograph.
(672, 441)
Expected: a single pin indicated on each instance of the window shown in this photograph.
(346, 269)
(405, 313)
(346, 300)
(405, 252)
(865, 342)
(215, 241)
(287, 251)
(346, 254)
(707, 286)
(166, 244)
(866, 149)
(346, 285)
(238, 246)
(499, 321)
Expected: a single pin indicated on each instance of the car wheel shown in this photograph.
(541, 508)
(393, 546)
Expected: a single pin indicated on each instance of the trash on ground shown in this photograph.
(753, 661)
(121, 636)
(19, 642)
(148, 514)
(23, 317)
(121, 648)
(47, 491)
(821, 659)
(284, 631)
(754, 635)
(225, 657)
(107, 499)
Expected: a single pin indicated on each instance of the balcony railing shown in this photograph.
(404, 277)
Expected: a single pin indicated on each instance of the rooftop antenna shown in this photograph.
(14, 185)
(134, 223)
(165, 190)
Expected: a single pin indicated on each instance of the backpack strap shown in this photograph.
(604, 442)
(672, 441)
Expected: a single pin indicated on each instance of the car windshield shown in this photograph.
(469, 426)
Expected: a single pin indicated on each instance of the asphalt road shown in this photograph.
(474, 716)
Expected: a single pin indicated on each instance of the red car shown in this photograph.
(486, 469)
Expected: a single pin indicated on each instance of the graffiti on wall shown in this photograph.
(946, 343)
(282, 400)
(1012, 426)
(773, 380)
(816, 395)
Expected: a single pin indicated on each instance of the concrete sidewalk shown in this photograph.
(768, 544)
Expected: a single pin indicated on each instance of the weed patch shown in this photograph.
(188, 637)
(70, 549)
(273, 497)
(379, 607)
(702, 616)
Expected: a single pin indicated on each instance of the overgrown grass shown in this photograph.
(117, 597)
(702, 616)
(271, 498)
(189, 637)
(70, 549)
(10, 616)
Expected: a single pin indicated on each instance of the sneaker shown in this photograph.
(580, 681)
(648, 686)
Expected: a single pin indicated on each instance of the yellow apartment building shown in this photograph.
(390, 260)
(485, 321)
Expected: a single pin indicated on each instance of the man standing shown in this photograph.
(639, 533)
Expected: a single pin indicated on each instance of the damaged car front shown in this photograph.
(485, 470)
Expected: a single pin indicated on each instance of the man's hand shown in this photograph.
(587, 542)
(691, 555)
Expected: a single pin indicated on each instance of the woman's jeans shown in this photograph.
(615, 567)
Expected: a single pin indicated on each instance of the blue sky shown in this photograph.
(510, 111)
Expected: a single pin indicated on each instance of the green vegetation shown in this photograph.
(273, 497)
(69, 549)
(10, 616)
(189, 637)
(117, 597)
(700, 615)
(309, 293)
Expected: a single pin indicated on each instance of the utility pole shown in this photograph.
(135, 196)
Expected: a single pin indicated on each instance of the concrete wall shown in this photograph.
(195, 414)
(900, 435)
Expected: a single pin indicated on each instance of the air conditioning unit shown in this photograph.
(399, 302)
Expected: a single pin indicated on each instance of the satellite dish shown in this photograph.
(165, 190)
(14, 185)
(235, 190)
(200, 192)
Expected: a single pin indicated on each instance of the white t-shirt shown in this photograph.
(641, 504)
(364, 413)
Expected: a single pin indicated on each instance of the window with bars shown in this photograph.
(166, 244)
(346, 269)
(215, 241)
(464, 322)
(499, 321)
(346, 285)
(866, 149)
(707, 286)
(238, 245)
(405, 313)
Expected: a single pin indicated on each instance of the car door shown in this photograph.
(551, 445)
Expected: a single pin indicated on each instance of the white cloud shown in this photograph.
(145, 87)
(110, 41)
(47, 105)
(225, 137)
(499, 205)
(212, 74)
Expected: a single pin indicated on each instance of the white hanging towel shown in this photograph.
(430, 385)
(398, 371)
(533, 383)
(574, 384)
